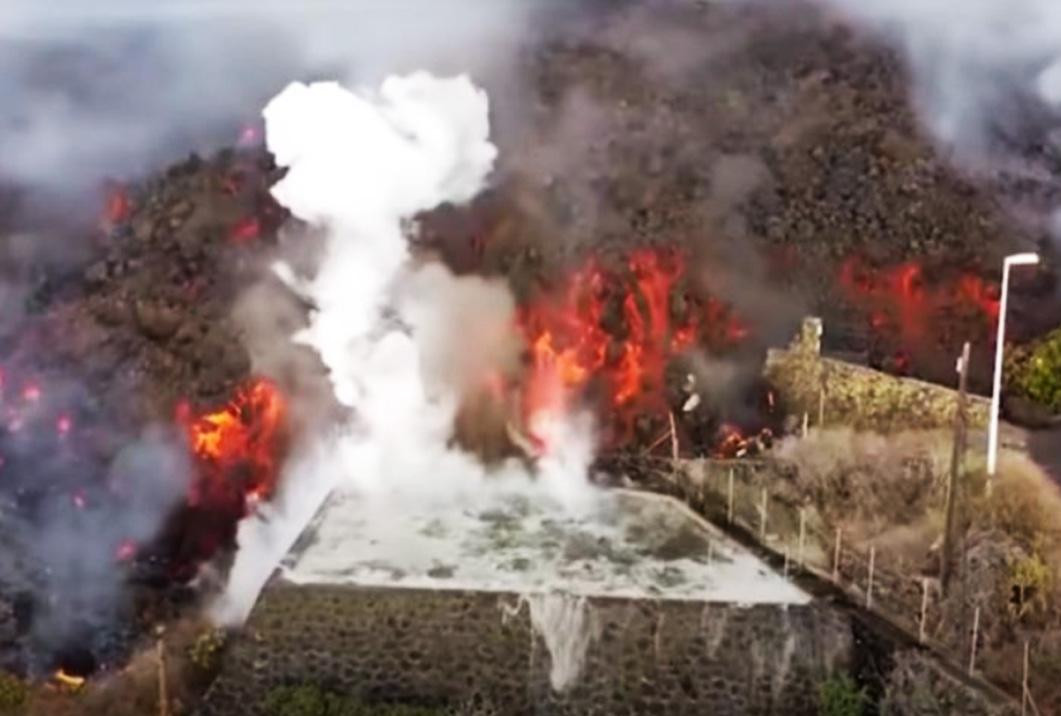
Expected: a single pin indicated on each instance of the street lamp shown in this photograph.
(1028, 259)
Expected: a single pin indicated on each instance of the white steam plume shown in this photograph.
(361, 166)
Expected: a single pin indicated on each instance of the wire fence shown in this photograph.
(745, 495)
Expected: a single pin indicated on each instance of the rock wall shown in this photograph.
(833, 392)
(475, 652)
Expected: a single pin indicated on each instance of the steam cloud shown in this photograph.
(390, 333)
(113, 88)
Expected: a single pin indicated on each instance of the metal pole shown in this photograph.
(996, 389)
(1028, 259)
(947, 553)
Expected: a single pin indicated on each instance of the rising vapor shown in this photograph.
(361, 166)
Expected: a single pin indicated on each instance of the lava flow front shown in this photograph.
(238, 451)
(608, 335)
(904, 308)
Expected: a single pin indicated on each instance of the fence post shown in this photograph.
(160, 656)
(1024, 694)
(976, 635)
(673, 437)
(869, 585)
(806, 421)
(762, 516)
(729, 500)
(802, 535)
(821, 407)
(924, 610)
(836, 556)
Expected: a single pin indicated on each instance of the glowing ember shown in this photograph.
(31, 393)
(63, 425)
(576, 344)
(246, 230)
(117, 206)
(126, 551)
(732, 443)
(237, 447)
(69, 680)
(249, 136)
(79, 500)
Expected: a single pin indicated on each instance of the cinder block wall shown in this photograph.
(479, 652)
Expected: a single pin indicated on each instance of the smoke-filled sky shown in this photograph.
(94, 88)
(983, 70)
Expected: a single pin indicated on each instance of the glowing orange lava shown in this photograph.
(117, 206)
(900, 300)
(237, 448)
(615, 331)
(69, 680)
(246, 230)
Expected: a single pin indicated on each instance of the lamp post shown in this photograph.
(1028, 259)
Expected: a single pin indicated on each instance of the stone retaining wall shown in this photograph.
(478, 652)
(859, 397)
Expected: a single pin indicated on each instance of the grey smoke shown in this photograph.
(982, 70)
(76, 581)
(116, 88)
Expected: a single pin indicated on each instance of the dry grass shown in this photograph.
(134, 690)
(890, 491)
(870, 484)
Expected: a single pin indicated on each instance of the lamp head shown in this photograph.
(1028, 259)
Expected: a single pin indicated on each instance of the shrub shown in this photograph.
(311, 700)
(1036, 371)
(840, 696)
(206, 649)
(12, 693)
(1031, 584)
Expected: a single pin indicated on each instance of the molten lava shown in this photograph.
(615, 331)
(237, 448)
(68, 681)
(899, 301)
(238, 451)
(246, 230)
(117, 205)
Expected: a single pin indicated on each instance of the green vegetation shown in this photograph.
(1031, 584)
(1035, 372)
(206, 649)
(12, 693)
(311, 700)
(840, 696)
